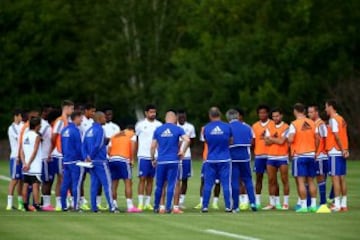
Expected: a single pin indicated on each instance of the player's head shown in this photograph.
(299, 110)
(232, 114)
(277, 115)
(170, 116)
(313, 111)
(17, 114)
(181, 115)
(330, 106)
(90, 110)
(99, 117)
(53, 115)
(109, 114)
(241, 114)
(35, 123)
(67, 107)
(79, 107)
(45, 110)
(33, 114)
(214, 113)
(263, 112)
(150, 112)
(130, 127)
(76, 118)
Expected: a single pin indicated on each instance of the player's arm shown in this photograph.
(335, 129)
(153, 147)
(33, 155)
(291, 134)
(133, 153)
(20, 150)
(186, 144)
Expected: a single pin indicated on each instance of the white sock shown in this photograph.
(162, 207)
(246, 199)
(141, 199)
(182, 199)
(46, 200)
(272, 200)
(129, 203)
(10, 201)
(337, 202)
(344, 201)
(277, 200)
(313, 202)
(303, 203)
(299, 201)
(98, 200)
(286, 199)
(176, 206)
(241, 199)
(58, 202)
(258, 199)
(115, 203)
(201, 200)
(147, 200)
(81, 202)
(215, 200)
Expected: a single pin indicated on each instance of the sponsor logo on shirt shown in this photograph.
(90, 133)
(305, 126)
(27, 141)
(66, 133)
(167, 133)
(217, 131)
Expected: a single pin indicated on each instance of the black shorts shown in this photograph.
(29, 179)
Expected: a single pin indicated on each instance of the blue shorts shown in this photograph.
(185, 170)
(15, 170)
(48, 171)
(322, 167)
(58, 165)
(217, 180)
(337, 166)
(277, 162)
(146, 168)
(304, 167)
(260, 165)
(120, 170)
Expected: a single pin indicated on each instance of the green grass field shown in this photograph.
(190, 225)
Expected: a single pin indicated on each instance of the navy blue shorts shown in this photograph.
(322, 167)
(58, 165)
(48, 170)
(15, 169)
(304, 167)
(185, 170)
(337, 166)
(146, 168)
(260, 165)
(120, 170)
(277, 162)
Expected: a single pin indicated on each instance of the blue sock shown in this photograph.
(308, 197)
(29, 194)
(331, 195)
(322, 192)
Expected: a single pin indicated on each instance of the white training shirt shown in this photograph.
(28, 145)
(190, 132)
(86, 123)
(14, 134)
(58, 127)
(111, 129)
(334, 127)
(45, 132)
(144, 131)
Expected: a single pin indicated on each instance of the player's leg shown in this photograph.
(209, 180)
(47, 181)
(105, 179)
(25, 193)
(235, 184)
(245, 173)
(77, 175)
(260, 166)
(160, 181)
(244, 198)
(199, 206)
(12, 184)
(94, 186)
(216, 193)
(284, 172)
(149, 186)
(225, 180)
(186, 174)
(141, 183)
(321, 180)
(65, 186)
(172, 179)
(271, 172)
(36, 192)
(341, 172)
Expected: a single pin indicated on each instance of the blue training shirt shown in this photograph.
(168, 137)
(242, 138)
(217, 135)
(94, 143)
(71, 144)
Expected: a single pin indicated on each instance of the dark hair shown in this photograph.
(53, 115)
(34, 122)
(75, 115)
(299, 107)
(315, 106)
(261, 107)
(149, 106)
(17, 112)
(277, 109)
(67, 103)
(181, 111)
(107, 108)
(332, 102)
(45, 107)
(130, 127)
(89, 106)
(240, 111)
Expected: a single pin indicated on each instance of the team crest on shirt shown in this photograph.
(305, 126)
(216, 131)
(27, 141)
(262, 136)
(90, 133)
(166, 133)
(66, 133)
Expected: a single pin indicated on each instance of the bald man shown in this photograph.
(166, 141)
(94, 151)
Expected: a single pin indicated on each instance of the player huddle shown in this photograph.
(87, 142)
